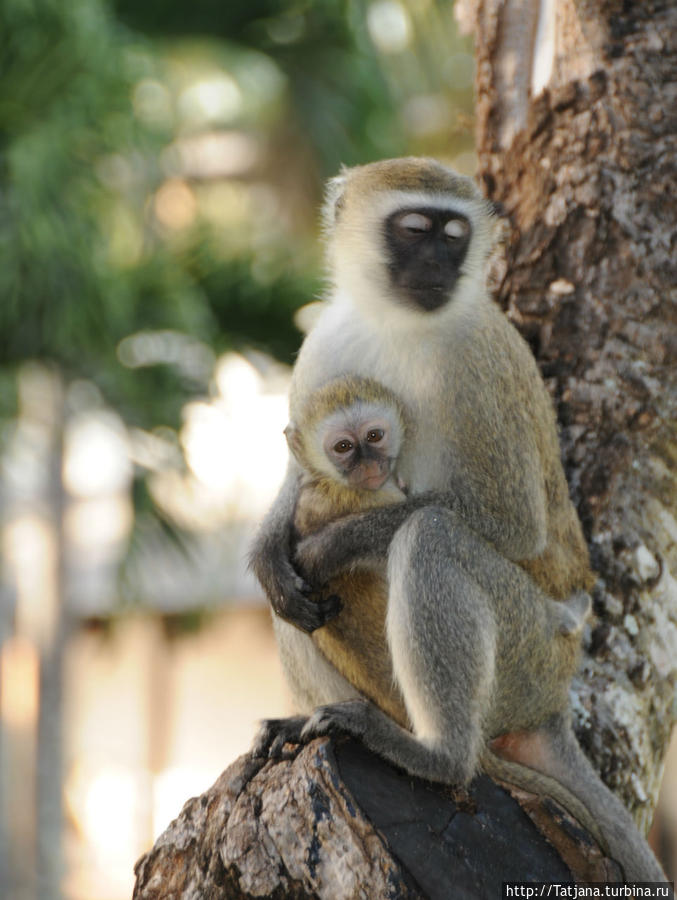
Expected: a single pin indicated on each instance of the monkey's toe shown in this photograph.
(337, 718)
(273, 734)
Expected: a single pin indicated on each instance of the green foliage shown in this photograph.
(230, 21)
(161, 165)
(66, 79)
(93, 126)
(339, 97)
(83, 261)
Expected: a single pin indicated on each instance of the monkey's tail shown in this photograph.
(578, 788)
(539, 783)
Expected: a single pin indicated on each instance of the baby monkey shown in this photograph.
(348, 441)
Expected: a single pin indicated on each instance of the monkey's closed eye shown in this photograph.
(456, 228)
(343, 446)
(415, 223)
(375, 435)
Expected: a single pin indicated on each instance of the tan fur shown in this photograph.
(503, 371)
(354, 642)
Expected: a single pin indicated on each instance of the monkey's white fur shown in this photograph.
(356, 268)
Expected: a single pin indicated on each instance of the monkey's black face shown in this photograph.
(426, 249)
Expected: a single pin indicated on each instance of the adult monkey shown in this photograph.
(407, 251)
(408, 242)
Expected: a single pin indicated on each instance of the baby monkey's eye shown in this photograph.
(343, 446)
(375, 435)
(415, 223)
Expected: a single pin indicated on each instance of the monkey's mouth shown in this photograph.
(372, 482)
(428, 297)
(369, 477)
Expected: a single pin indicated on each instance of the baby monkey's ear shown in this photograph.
(294, 440)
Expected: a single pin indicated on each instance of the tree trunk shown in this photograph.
(334, 821)
(577, 107)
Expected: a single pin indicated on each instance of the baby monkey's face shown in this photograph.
(362, 453)
(354, 441)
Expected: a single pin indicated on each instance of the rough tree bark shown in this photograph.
(577, 106)
(577, 116)
(292, 829)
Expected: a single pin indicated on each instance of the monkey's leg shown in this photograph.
(442, 636)
(313, 680)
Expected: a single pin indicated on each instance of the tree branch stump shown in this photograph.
(332, 820)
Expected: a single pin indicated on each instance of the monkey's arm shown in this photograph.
(270, 560)
(516, 527)
(512, 520)
(362, 537)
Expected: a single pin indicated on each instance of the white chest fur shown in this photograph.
(415, 358)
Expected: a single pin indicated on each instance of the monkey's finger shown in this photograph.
(288, 732)
(264, 737)
(306, 613)
(273, 734)
(282, 740)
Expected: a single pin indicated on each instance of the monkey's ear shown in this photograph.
(293, 436)
(334, 198)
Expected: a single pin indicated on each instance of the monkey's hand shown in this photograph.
(273, 734)
(270, 560)
(291, 596)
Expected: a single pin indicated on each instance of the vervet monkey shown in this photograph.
(488, 501)
(347, 441)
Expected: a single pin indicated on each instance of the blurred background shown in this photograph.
(161, 169)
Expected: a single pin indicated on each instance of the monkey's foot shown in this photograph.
(378, 732)
(273, 734)
(350, 717)
(573, 613)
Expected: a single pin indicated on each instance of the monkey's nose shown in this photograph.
(370, 475)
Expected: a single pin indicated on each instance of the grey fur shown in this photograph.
(477, 650)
